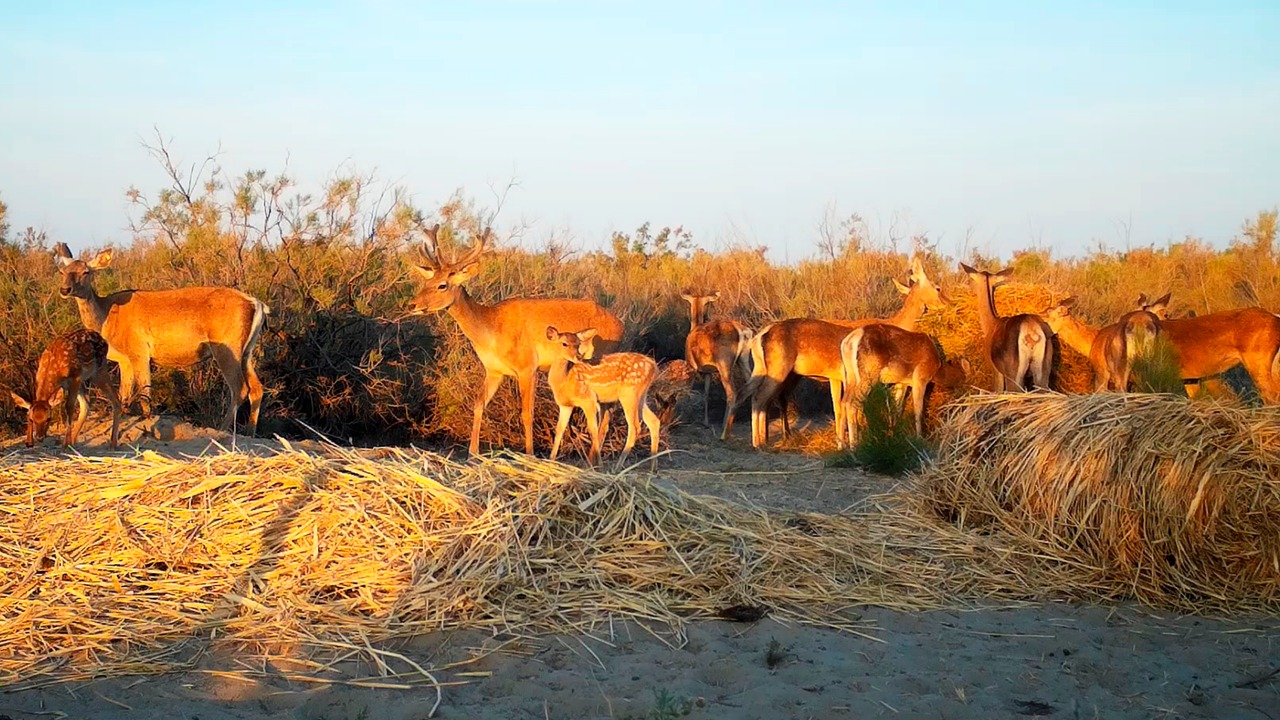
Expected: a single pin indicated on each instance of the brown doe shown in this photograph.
(172, 328)
(1209, 345)
(907, 360)
(1112, 349)
(509, 337)
(715, 347)
(68, 367)
(623, 377)
(1015, 346)
(811, 348)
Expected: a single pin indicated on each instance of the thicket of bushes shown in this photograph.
(332, 267)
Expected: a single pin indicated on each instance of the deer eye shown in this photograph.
(442, 286)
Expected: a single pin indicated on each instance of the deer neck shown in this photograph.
(93, 312)
(1077, 335)
(910, 313)
(560, 378)
(472, 317)
(696, 311)
(985, 297)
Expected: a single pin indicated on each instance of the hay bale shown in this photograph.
(1153, 497)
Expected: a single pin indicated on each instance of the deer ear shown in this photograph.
(552, 333)
(58, 397)
(687, 296)
(424, 271)
(587, 334)
(19, 401)
(102, 260)
(1159, 306)
(714, 296)
(1142, 300)
(967, 270)
(1005, 272)
(965, 365)
(904, 289)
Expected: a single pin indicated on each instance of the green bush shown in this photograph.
(1155, 369)
(887, 443)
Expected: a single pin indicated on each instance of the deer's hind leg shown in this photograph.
(233, 373)
(255, 392)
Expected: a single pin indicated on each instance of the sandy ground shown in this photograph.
(1058, 660)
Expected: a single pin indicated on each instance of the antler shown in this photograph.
(430, 252)
(476, 250)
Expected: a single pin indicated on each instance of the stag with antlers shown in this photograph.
(510, 336)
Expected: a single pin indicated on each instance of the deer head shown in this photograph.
(574, 347)
(77, 275)
(443, 280)
(38, 413)
(1158, 307)
(931, 294)
(1058, 315)
(996, 279)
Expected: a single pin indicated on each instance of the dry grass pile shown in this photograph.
(131, 565)
(1152, 497)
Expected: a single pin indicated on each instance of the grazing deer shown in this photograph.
(173, 328)
(1015, 346)
(811, 348)
(1209, 345)
(623, 378)
(1111, 350)
(673, 385)
(67, 368)
(715, 347)
(508, 337)
(885, 353)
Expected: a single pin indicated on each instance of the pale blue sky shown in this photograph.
(1048, 123)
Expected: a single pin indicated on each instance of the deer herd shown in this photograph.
(576, 343)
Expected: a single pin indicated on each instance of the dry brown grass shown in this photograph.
(114, 565)
(1154, 497)
(133, 565)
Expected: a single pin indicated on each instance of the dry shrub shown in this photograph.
(1172, 502)
(331, 266)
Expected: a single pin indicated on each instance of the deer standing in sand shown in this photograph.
(905, 359)
(623, 378)
(67, 368)
(1015, 346)
(509, 337)
(811, 348)
(172, 328)
(1112, 349)
(715, 347)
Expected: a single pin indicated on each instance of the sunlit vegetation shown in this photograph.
(338, 357)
